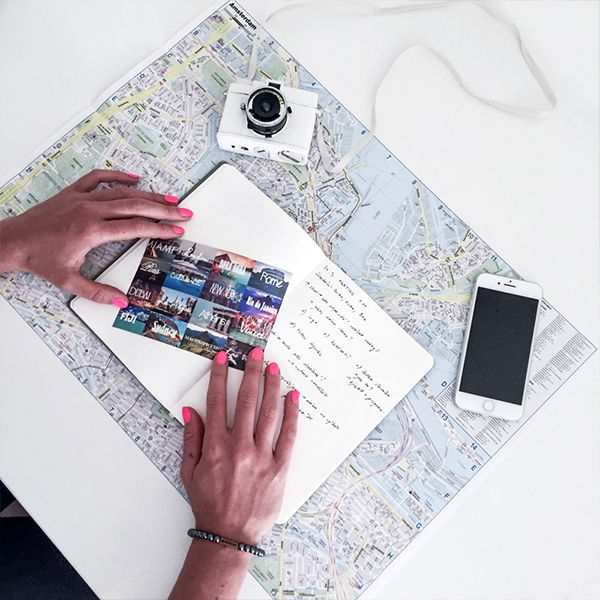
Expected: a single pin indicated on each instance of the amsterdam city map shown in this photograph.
(375, 220)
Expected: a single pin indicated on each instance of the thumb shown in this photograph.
(97, 292)
(193, 435)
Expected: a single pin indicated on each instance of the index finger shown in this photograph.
(216, 397)
(129, 229)
(245, 407)
(94, 178)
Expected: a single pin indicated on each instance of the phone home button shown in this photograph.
(488, 405)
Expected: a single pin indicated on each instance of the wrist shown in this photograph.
(12, 256)
(238, 533)
(226, 556)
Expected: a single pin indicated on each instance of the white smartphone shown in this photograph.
(494, 367)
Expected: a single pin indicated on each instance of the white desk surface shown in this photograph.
(530, 526)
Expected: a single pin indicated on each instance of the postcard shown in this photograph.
(203, 299)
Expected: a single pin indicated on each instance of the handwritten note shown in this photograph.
(331, 349)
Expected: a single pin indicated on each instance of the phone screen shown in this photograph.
(500, 339)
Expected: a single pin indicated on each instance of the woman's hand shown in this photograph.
(234, 477)
(52, 239)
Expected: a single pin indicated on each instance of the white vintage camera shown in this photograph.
(269, 120)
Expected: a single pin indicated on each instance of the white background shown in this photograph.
(530, 525)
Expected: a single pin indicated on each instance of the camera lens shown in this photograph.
(266, 111)
(265, 106)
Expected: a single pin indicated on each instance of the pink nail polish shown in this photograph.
(273, 368)
(295, 396)
(221, 357)
(178, 230)
(133, 176)
(120, 302)
(171, 199)
(186, 414)
(185, 212)
(256, 353)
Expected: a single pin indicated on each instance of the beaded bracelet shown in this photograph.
(219, 539)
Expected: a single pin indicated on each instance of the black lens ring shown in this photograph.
(256, 122)
(265, 106)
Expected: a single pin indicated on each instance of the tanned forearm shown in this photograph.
(211, 572)
(10, 254)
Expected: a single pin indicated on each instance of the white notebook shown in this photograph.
(351, 363)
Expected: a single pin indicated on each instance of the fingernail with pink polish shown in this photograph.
(295, 396)
(120, 302)
(171, 199)
(256, 353)
(186, 413)
(178, 230)
(273, 368)
(185, 212)
(133, 176)
(221, 357)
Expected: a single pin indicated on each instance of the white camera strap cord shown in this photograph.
(370, 9)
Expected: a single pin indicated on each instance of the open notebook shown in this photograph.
(350, 361)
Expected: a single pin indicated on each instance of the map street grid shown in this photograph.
(376, 221)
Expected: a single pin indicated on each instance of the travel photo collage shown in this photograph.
(203, 299)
